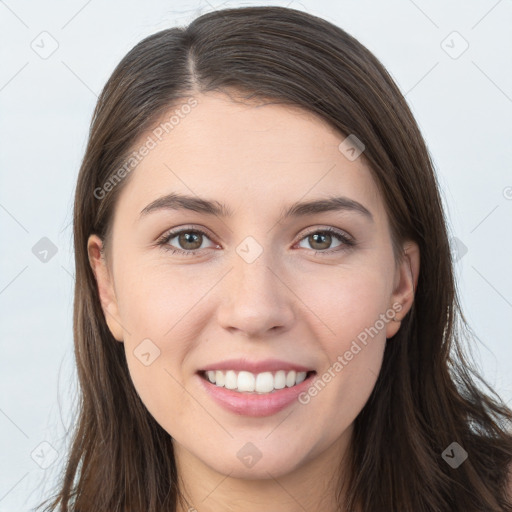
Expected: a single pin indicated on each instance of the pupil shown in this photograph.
(326, 237)
(188, 238)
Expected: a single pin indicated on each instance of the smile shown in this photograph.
(259, 383)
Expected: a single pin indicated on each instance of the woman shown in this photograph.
(265, 309)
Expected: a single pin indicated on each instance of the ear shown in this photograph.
(105, 286)
(406, 280)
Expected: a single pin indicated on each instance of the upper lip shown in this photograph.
(267, 365)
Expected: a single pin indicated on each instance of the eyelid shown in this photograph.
(163, 239)
(328, 229)
(186, 227)
(347, 241)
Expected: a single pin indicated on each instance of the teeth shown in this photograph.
(231, 382)
(246, 381)
(265, 382)
(280, 379)
(301, 376)
(219, 378)
(290, 379)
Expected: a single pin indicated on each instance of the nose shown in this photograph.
(257, 300)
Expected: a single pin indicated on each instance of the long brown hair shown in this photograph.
(428, 394)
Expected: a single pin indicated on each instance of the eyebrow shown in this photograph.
(175, 201)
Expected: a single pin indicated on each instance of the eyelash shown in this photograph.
(163, 241)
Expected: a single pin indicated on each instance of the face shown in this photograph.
(294, 304)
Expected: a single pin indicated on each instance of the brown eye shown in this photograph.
(320, 241)
(185, 241)
(190, 240)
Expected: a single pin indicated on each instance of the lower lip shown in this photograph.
(254, 404)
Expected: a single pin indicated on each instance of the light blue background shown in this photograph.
(463, 106)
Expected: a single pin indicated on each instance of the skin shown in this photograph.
(290, 303)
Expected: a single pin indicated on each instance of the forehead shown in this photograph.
(249, 156)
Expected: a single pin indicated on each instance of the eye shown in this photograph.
(189, 241)
(320, 240)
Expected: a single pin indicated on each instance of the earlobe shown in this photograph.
(405, 286)
(105, 286)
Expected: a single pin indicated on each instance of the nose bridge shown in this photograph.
(255, 300)
(255, 277)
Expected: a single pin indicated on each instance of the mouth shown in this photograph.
(255, 388)
(249, 383)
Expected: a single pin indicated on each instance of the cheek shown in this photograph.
(352, 307)
(157, 370)
(344, 302)
(155, 298)
(156, 309)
